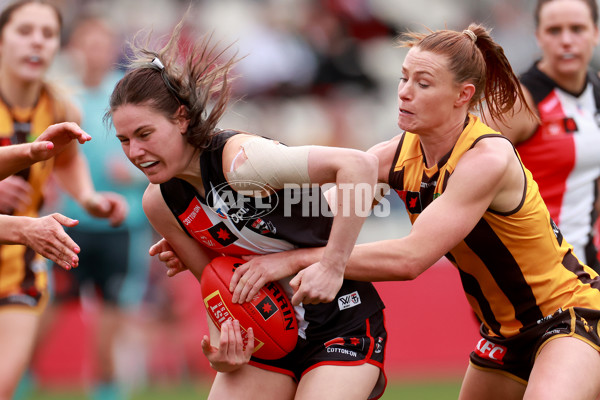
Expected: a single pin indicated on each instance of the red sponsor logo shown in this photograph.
(219, 313)
(490, 351)
(217, 308)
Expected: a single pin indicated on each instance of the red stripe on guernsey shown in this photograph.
(550, 153)
(199, 225)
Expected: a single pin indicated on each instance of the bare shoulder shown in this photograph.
(385, 152)
(384, 147)
(496, 150)
(152, 199)
(489, 159)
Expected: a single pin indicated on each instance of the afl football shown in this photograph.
(270, 313)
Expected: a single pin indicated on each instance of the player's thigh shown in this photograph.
(566, 368)
(17, 335)
(249, 383)
(354, 382)
(481, 384)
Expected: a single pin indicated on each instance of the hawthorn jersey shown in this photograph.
(515, 267)
(564, 156)
(23, 277)
(231, 223)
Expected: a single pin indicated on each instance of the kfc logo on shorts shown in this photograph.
(490, 351)
(349, 300)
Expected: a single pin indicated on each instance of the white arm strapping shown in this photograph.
(270, 163)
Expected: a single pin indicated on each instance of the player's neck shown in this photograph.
(18, 93)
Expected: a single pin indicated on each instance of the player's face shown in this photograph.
(29, 42)
(153, 143)
(426, 93)
(567, 36)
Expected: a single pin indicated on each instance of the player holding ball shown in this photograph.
(215, 192)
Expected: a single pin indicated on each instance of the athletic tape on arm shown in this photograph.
(270, 163)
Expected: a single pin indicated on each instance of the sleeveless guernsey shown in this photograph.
(516, 268)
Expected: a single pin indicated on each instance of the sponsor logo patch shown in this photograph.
(490, 351)
(349, 300)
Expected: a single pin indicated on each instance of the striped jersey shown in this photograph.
(515, 267)
(22, 271)
(564, 155)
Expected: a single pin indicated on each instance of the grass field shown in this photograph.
(420, 390)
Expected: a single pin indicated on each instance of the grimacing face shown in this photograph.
(426, 93)
(153, 143)
(29, 42)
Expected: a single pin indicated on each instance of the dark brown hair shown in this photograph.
(481, 62)
(194, 75)
(593, 6)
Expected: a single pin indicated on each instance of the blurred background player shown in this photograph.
(45, 234)
(29, 40)
(562, 151)
(114, 265)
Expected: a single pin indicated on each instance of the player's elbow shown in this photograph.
(396, 269)
(409, 268)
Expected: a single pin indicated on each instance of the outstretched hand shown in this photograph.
(54, 140)
(46, 236)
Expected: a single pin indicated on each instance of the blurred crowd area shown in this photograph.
(313, 72)
(316, 71)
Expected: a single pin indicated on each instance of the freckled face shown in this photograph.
(426, 92)
(152, 142)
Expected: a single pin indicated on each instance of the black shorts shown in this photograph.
(515, 356)
(103, 266)
(363, 344)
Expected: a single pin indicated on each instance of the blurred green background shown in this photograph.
(419, 390)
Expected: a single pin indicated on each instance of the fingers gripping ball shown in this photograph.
(270, 314)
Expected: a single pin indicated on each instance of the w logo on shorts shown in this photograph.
(349, 300)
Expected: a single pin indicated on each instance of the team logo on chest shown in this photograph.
(199, 225)
(412, 200)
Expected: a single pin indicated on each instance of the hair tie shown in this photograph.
(157, 63)
(163, 73)
(469, 33)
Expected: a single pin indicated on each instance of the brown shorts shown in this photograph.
(515, 356)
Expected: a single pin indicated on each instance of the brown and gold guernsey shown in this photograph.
(515, 267)
(23, 279)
